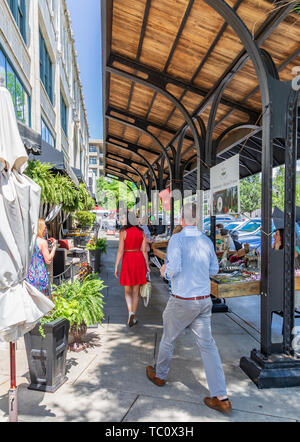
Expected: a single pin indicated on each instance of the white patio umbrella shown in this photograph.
(21, 305)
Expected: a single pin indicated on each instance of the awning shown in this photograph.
(32, 140)
(79, 175)
(57, 159)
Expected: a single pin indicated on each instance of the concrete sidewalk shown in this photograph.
(107, 382)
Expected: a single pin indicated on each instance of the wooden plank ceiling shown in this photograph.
(186, 41)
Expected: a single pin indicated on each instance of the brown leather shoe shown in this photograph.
(216, 404)
(152, 377)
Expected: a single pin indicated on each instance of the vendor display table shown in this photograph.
(219, 289)
(239, 288)
(160, 249)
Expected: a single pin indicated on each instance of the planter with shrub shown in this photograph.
(95, 249)
(77, 306)
(86, 300)
(46, 348)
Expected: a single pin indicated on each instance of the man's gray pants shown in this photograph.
(178, 315)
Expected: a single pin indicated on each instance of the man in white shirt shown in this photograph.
(191, 260)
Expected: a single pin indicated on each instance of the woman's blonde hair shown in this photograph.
(41, 228)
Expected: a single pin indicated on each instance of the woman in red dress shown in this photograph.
(135, 264)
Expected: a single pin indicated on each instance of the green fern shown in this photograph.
(41, 173)
(87, 297)
(59, 189)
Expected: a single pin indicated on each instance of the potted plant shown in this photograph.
(47, 345)
(84, 220)
(96, 248)
(87, 301)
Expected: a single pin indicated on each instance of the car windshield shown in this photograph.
(250, 227)
(231, 226)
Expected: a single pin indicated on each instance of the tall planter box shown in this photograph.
(47, 356)
(95, 260)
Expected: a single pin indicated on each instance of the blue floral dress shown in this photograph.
(37, 273)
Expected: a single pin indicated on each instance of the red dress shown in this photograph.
(133, 270)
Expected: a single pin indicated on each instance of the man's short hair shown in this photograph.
(189, 213)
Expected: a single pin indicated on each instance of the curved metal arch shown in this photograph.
(190, 160)
(121, 174)
(123, 181)
(133, 168)
(209, 144)
(158, 88)
(179, 151)
(139, 155)
(269, 63)
(254, 53)
(112, 172)
(153, 137)
(202, 126)
(232, 128)
(251, 47)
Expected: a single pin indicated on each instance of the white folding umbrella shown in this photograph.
(21, 305)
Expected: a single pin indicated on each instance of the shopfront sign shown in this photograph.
(225, 187)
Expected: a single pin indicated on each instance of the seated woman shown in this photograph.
(37, 273)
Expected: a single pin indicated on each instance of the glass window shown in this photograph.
(63, 115)
(11, 82)
(93, 149)
(47, 134)
(18, 9)
(95, 172)
(2, 68)
(46, 68)
(20, 101)
(93, 161)
(19, 96)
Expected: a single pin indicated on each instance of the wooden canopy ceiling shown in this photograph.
(185, 48)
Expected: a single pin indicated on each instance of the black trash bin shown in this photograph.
(47, 356)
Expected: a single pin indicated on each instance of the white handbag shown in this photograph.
(145, 291)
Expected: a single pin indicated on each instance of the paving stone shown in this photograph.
(148, 409)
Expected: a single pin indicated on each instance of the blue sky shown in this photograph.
(86, 24)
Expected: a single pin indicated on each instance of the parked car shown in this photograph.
(220, 219)
(251, 226)
(234, 225)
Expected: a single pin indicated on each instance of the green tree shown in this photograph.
(250, 194)
(278, 189)
(109, 193)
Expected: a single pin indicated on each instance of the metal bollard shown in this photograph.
(13, 404)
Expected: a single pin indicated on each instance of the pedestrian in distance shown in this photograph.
(133, 253)
(191, 260)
